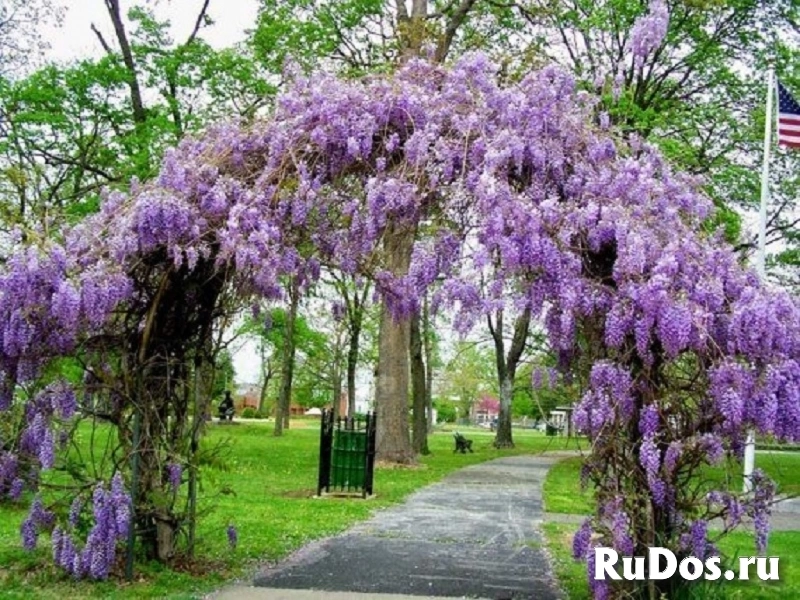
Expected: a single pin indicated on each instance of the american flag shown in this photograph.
(788, 119)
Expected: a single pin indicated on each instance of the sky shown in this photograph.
(74, 40)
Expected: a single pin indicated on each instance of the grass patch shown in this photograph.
(263, 489)
(785, 544)
(562, 494)
(562, 491)
(571, 573)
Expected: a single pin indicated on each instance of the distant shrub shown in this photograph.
(249, 413)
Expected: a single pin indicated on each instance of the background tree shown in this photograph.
(68, 131)
(468, 376)
(698, 95)
(22, 41)
(506, 364)
(353, 294)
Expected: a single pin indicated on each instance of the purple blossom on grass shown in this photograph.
(29, 533)
(233, 536)
(582, 540)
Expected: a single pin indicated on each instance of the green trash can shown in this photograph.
(349, 459)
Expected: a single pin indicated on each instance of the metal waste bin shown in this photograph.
(348, 464)
(346, 454)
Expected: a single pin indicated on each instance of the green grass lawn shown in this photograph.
(785, 544)
(265, 491)
(563, 494)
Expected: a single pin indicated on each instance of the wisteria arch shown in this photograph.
(430, 175)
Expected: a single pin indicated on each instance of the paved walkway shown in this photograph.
(475, 534)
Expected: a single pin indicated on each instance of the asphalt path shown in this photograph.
(475, 534)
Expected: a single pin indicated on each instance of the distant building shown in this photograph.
(485, 409)
(247, 396)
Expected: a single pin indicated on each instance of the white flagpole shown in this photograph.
(750, 445)
(762, 214)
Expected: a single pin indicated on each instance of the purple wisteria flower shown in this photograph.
(649, 421)
(699, 542)
(110, 511)
(174, 474)
(581, 542)
(75, 511)
(649, 30)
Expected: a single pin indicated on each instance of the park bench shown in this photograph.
(225, 413)
(462, 443)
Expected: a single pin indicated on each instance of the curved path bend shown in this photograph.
(475, 534)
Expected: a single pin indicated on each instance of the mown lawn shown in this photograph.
(784, 544)
(563, 494)
(265, 490)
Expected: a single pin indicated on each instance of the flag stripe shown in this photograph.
(788, 119)
(791, 137)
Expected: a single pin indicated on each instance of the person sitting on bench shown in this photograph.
(462, 443)
(225, 409)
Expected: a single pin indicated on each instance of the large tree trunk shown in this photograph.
(391, 398)
(283, 407)
(418, 388)
(391, 393)
(503, 437)
(161, 387)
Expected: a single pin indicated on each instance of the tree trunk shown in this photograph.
(266, 377)
(391, 397)
(352, 365)
(506, 371)
(503, 437)
(115, 14)
(283, 408)
(418, 388)
(336, 376)
(428, 350)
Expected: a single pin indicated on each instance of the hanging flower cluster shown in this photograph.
(111, 516)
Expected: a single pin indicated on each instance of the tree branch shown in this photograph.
(453, 25)
(103, 41)
(127, 57)
(198, 23)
